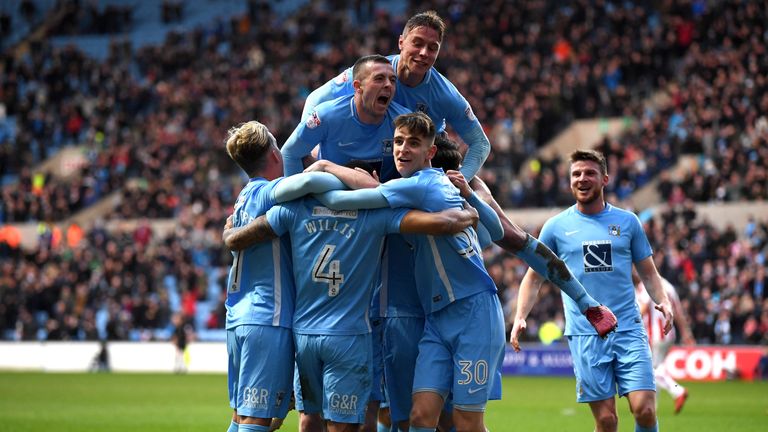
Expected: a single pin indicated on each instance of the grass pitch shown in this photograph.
(38, 402)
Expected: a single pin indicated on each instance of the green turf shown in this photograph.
(35, 402)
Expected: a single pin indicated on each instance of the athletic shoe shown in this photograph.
(680, 401)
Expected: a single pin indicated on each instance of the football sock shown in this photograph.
(546, 263)
(253, 428)
(421, 429)
(233, 427)
(654, 428)
(381, 427)
(666, 382)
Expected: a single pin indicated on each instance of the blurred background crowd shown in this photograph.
(687, 78)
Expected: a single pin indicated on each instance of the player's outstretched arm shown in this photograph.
(294, 151)
(514, 237)
(526, 298)
(478, 150)
(353, 200)
(488, 216)
(295, 186)
(258, 230)
(652, 280)
(352, 177)
(446, 222)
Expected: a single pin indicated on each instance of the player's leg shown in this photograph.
(593, 367)
(425, 412)
(401, 349)
(233, 373)
(370, 424)
(308, 384)
(264, 383)
(445, 423)
(642, 404)
(432, 379)
(233, 424)
(477, 349)
(346, 380)
(605, 415)
(377, 377)
(383, 421)
(664, 380)
(312, 422)
(634, 376)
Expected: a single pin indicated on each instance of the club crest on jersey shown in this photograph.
(341, 78)
(386, 146)
(597, 256)
(468, 112)
(313, 121)
(614, 230)
(422, 107)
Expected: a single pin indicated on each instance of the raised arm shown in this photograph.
(298, 185)
(258, 230)
(353, 200)
(478, 150)
(526, 298)
(446, 222)
(652, 280)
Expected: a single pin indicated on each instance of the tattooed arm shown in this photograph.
(244, 237)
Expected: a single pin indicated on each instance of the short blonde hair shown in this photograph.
(247, 143)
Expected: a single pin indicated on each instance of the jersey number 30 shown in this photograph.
(328, 270)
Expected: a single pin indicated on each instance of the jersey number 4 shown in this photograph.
(328, 270)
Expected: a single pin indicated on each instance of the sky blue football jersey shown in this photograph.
(336, 258)
(336, 126)
(600, 250)
(435, 96)
(447, 268)
(398, 296)
(260, 286)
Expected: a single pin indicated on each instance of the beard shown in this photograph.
(589, 198)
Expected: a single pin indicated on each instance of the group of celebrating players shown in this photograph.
(358, 284)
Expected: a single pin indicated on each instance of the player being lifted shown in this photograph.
(420, 87)
(356, 126)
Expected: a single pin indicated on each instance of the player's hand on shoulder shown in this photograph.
(458, 180)
(517, 329)
(230, 222)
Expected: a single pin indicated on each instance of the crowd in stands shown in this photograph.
(122, 284)
(151, 123)
(713, 105)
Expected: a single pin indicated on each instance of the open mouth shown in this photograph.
(383, 100)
